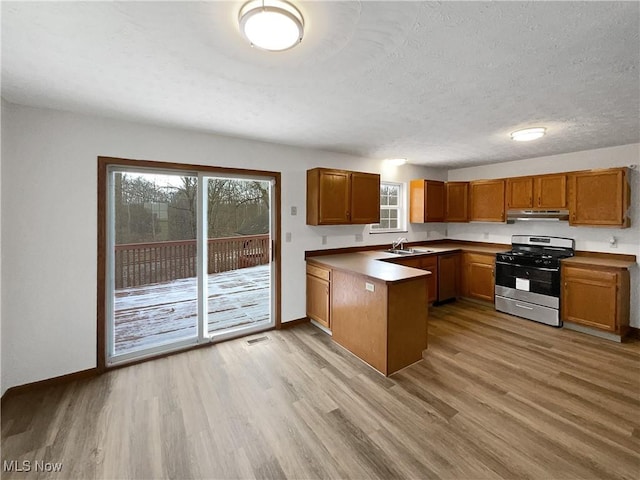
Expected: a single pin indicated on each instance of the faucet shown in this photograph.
(399, 243)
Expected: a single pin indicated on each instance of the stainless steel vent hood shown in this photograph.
(537, 215)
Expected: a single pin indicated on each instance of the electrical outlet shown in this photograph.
(294, 211)
(324, 239)
(370, 287)
(287, 237)
(358, 237)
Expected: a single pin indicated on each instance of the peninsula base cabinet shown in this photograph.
(596, 298)
(384, 324)
(319, 295)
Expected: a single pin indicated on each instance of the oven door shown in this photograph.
(540, 280)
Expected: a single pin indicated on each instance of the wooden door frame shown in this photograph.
(103, 164)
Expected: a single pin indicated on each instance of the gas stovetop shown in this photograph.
(537, 251)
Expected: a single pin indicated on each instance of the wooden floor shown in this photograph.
(495, 397)
(154, 314)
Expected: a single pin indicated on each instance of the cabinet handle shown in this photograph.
(539, 201)
(530, 201)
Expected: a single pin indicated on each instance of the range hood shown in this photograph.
(537, 215)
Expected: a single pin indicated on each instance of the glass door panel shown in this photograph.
(153, 227)
(239, 267)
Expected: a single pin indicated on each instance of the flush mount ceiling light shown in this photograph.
(272, 25)
(395, 161)
(528, 134)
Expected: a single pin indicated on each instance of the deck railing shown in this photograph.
(144, 263)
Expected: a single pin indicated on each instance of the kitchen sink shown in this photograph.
(408, 251)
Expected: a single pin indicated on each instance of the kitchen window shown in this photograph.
(392, 209)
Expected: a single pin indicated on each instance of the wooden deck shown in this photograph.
(164, 312)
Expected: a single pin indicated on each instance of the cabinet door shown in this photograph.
(448, 276)
(487, 200)
(426, 201)
(598, 198)
(365, 198)
(457, 202)
(328, 197)
(550, 191)
(519, 192)
(435, 201)
(430, 263)
(318, 300)
(478, 276)
(481, 282)
(589, 298)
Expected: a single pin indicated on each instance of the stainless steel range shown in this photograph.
(528, 277)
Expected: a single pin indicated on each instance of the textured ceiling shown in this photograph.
(441, 83)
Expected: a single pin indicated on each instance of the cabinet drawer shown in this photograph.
(319, 272)
(599, 276)
(486, 258)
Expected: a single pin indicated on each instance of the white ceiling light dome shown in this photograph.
(528, 134)
(272, 25)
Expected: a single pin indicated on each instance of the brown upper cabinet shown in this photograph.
(539, 192)
(456, 202)
(550, 191)
(342, 197)
(519, 192)
(487, 200)
(426, 201)
(599, 198)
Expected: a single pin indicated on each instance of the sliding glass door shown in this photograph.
(239, 274)
(189, 259)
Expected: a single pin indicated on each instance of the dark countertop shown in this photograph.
(368, 264)
(586, 260)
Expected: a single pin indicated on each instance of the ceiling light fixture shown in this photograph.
(528, 134)
(396, 161)
(272, 25)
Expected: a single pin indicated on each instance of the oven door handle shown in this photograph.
(544, 269)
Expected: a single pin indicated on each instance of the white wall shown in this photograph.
(593, 239)
(49, 206)
(2, 388)
(48, 182)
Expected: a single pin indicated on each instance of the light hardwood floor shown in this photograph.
(495, 397)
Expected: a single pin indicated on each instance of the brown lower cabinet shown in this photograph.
(478, 276)
(429, 263)
(596, 297)
(319, 294)
(384, 324)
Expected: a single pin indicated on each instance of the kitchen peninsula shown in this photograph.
(376, 310)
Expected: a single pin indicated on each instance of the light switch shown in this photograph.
(294, 211)
(370, 287)
(287, 237)
(324, 239)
